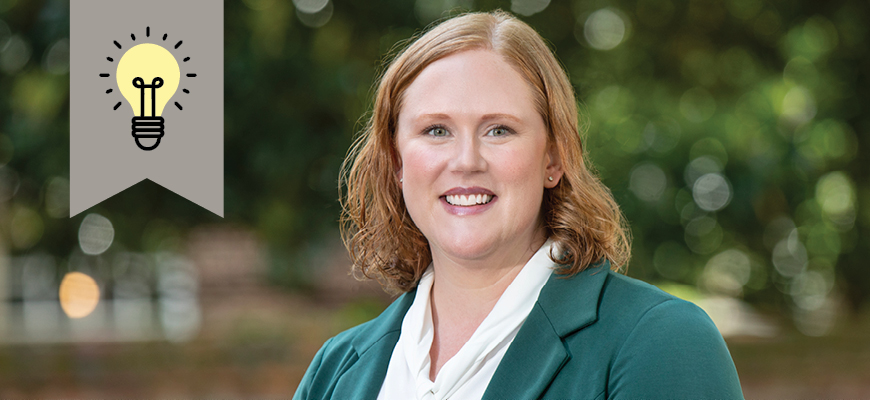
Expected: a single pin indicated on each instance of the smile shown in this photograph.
(468, 200)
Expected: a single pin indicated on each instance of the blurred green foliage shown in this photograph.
(730, 132)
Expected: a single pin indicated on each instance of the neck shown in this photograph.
(463, 294)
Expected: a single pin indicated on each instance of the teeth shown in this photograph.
(468, 200)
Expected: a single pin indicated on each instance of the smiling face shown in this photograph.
(474, 157)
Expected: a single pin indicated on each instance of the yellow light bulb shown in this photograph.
(148, 76)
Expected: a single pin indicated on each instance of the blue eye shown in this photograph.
(437, 131)
(499, 131)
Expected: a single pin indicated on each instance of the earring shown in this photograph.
(401, 180)
(550, 178)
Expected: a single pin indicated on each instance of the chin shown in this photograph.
(468, 248)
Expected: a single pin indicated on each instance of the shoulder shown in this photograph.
(643, 313)
(361, 338)
(622, 310)
(371, 341)
(628, 301)
(602, 300)
(341, 346)
(629, 339)
(663, 345)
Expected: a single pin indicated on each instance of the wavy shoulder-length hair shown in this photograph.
(579, 213)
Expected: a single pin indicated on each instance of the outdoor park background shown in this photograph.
(731, 132)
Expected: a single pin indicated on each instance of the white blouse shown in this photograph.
(467, 374)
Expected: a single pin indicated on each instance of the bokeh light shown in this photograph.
(810, 290)
(614, 103)
(827, 141)
(703, 235)
(56, 59)
(38, 280)
(727, 272)
(57, 197)
(818, 321)
(712, 192)
(9, 183)
(5, 34)
(823, 239)
(317, 18)
(26, 227)
(790, 256)
(310, 6)
(604, 29)
(699, 167)
(835, 193)
(648, 182)
(798, 105)
(815, 38)
(178, 287)
(529, 7)
(14, 55)
(79, 294)
(96, 234)
(662, 135)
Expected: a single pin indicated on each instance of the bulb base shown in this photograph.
(147, 128)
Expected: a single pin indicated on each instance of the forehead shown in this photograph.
(471, 82)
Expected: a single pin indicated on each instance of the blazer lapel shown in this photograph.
(536, 355)
(374, 347)
(530, 363)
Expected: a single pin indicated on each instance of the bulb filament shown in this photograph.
(153, 125)
(139, 83)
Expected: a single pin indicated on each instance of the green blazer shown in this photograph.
(596, 335)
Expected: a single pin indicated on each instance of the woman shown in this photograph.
(468, 191)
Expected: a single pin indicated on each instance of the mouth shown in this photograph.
(469, 200)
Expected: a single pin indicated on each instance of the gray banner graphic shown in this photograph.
(120, 130)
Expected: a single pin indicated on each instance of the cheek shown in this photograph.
(416, 161)
(522, 166)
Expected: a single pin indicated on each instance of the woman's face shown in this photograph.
(474, 157)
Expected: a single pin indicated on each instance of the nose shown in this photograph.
(468, 155)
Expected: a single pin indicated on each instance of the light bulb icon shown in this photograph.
(148, 76)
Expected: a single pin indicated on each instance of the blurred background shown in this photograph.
(730, 132)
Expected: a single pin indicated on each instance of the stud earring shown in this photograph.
(401, 180)
(550, 178)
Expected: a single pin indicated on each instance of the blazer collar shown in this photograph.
(571, 303)
(390, 321)
(565, 305)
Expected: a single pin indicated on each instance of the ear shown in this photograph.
(397, 161)
(399, 176)
(553, 168)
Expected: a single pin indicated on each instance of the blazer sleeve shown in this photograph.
(674, 352)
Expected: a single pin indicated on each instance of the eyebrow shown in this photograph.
(485, 117)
